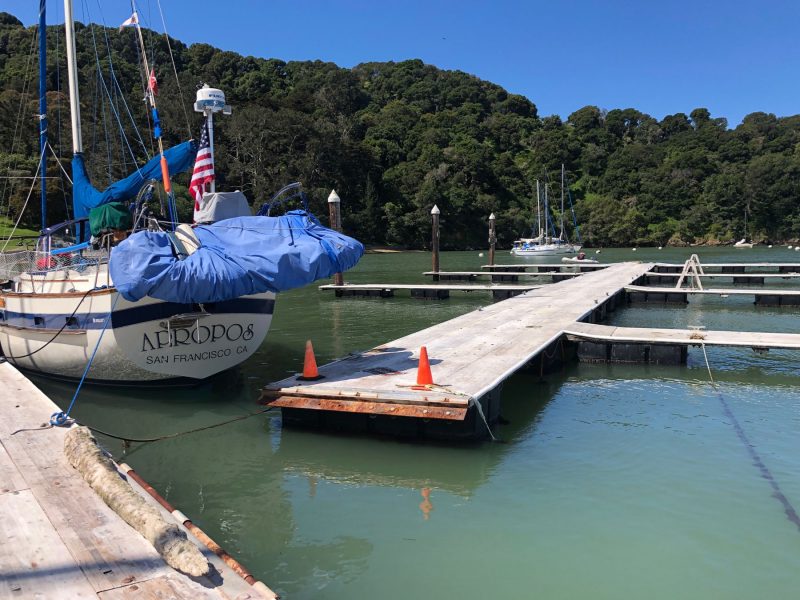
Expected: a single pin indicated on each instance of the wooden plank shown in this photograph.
(106, 553)
(390, 409)
(523, 267)
(501, 273)
(34, 562)
(166, 587)
(730, 275)
(423, 286)
(685, 337)
(714, 291)
(11, 479)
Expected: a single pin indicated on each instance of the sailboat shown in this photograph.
(546, 243)
(160, 302)
(744, 243)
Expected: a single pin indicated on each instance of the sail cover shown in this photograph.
(85, 196)
(236, 257)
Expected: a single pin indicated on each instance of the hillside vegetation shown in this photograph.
(396, 138)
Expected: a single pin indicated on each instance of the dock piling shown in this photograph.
(335, 213)
(435, 239)
(492, 238)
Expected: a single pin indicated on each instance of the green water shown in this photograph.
(610, 481)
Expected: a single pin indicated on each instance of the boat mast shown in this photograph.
(72, 72)
(43, 106)
(538, 210)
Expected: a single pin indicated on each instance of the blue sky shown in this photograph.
(731, 57)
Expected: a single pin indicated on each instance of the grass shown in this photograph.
(7, 225)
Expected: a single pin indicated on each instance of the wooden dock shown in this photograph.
(763, 296)
(424, 291)
(59, 539)
(731, 268)
(684, 337)
(547, 267)
(470, 355)
(499, 276)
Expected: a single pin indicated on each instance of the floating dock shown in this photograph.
(498, 276)
(756, 340)
(470, 357)
(549, 267)
(424, 291)
(60, 540)
(763, 296)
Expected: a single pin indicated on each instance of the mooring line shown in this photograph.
(765, 473)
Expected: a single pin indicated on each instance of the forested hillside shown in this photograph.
(396, 138)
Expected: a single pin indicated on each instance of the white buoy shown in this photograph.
(597, 252)
(797, 248)
(634, 249)
(770, 246)
(480, 254)
(660, 248)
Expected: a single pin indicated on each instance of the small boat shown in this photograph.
(743, 243)
(546, 243)
(580, 259)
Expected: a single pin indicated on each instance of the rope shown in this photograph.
(155, 439)
(58, 160)
(181, 433)
(24, 206)
(61, 419)
(63, 327)
(175, 70)
(765, 473)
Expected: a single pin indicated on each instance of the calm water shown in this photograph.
(610, 481)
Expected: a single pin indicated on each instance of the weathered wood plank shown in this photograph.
(715, 291)
(423, 286)
(166, 587)
(685, 337)
(11, 480)
(34, 562)
(104, 552)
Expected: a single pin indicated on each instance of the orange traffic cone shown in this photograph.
(310, 372)
(424, 376)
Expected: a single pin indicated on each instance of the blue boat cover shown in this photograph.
(237, 257)
(85, 196)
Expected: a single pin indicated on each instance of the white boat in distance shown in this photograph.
(545, 244)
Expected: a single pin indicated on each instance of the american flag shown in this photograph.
(203, 168)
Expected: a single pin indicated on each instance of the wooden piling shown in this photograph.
(435, 238)
(334, 211)
(492, 238)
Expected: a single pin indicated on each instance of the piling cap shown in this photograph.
(491, 217)
(334, 197)
(435, 210)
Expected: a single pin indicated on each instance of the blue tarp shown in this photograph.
(85, 196)
(237, 257)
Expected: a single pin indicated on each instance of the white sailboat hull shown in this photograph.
(148, 340)
(546, 250)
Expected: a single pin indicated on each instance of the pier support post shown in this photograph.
(492, 238)
(334, 211)
(435, 238)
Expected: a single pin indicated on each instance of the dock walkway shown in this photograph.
(684, 337)
(59, 539)
(425, 291)
(470, 355)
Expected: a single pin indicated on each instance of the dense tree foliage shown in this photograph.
(396, 138)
